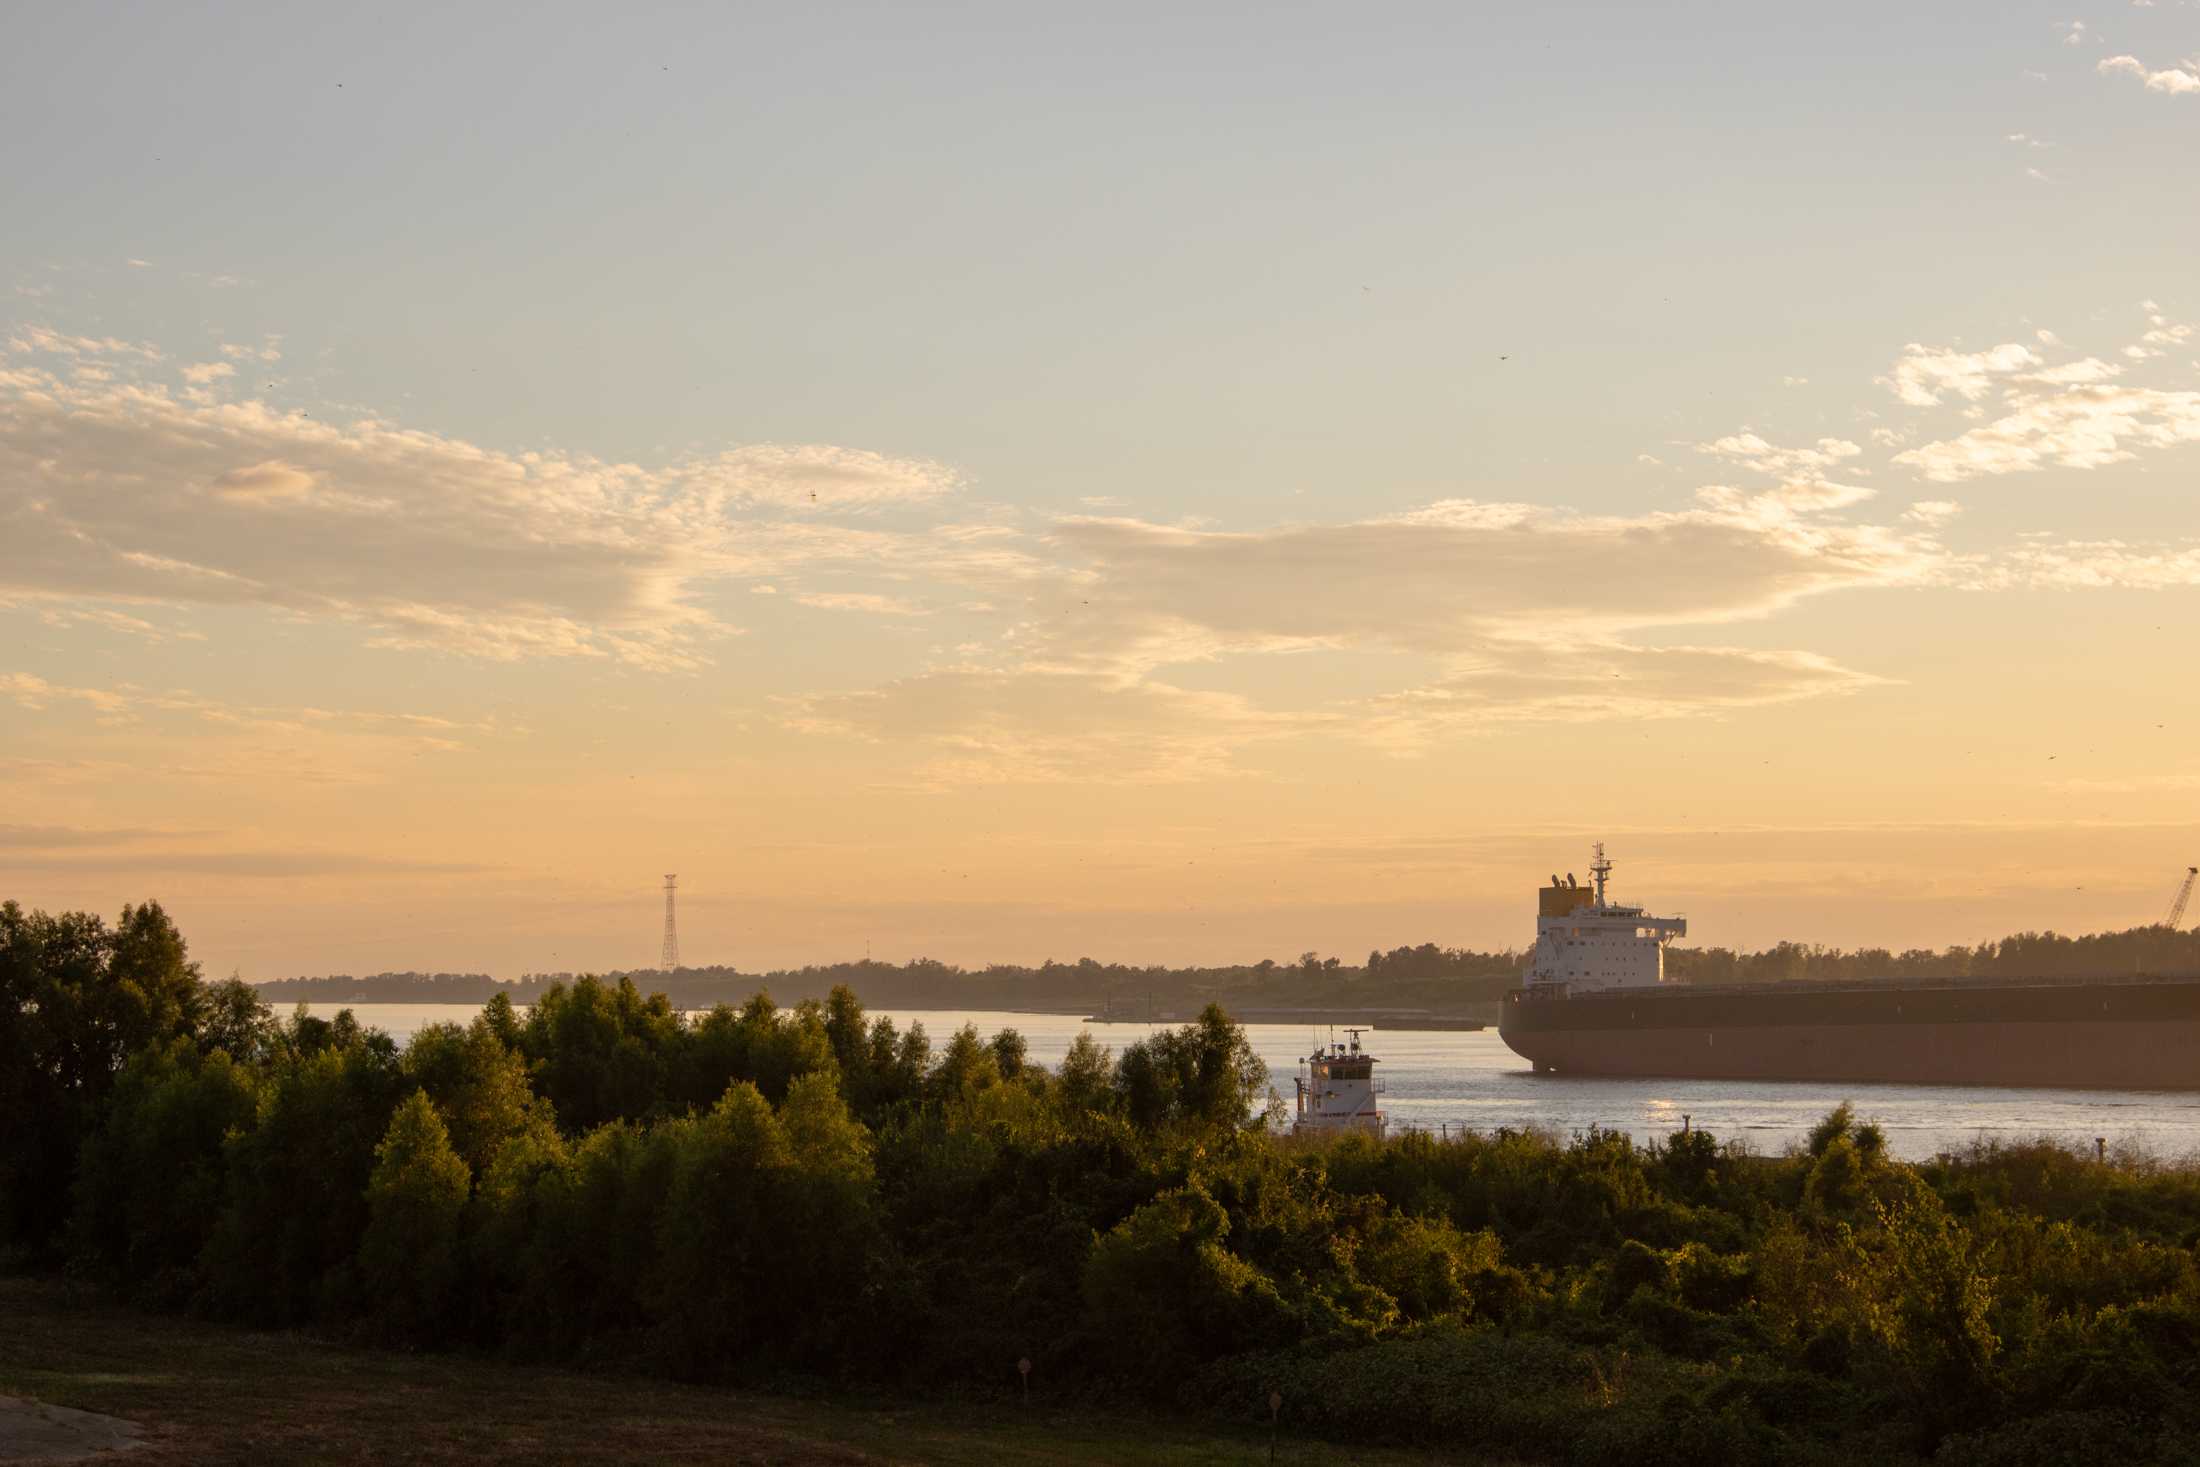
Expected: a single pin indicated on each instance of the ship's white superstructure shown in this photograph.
(1338, 1091)
(1583, 941)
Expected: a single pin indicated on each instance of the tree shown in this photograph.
(149, 1179)
(409, 1256)
(967, 1065)
(1082, 1078)
(1164, 1289)
(295, 1180)
(232, 1018)
(77, 999)
(478, 1086)
(602, 1052)
(1204, 1074)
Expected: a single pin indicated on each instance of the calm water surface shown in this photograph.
(1472, 1080)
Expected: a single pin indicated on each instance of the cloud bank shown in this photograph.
(121, 488)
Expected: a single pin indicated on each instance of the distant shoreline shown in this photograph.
(1377, 1019)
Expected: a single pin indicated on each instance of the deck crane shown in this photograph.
(2184, 895)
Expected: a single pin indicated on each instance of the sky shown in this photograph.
(1183, 484)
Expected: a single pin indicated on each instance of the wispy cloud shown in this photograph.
(2093, 565)
(270, 864)
(62, 837)
(2082, 426)
(1028, 727)
(2076, 414)
(187, 735)
(1526, 614)
(2182, 79)
(861, 601)
(1925, 375)
(121, 490)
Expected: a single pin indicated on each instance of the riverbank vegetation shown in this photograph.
(1437, 979)
(810, 1196)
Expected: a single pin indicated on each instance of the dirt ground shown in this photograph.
(190, 1392)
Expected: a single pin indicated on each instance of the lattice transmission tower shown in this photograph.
(671, 956)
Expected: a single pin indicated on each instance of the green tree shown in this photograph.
(77, 999)
(409, 1259)
(479, 1086)
(149, 1178)
(232, 1018)
(1204, 1074)
(295, 1185)
(967, 1065)
(1923, 1300)
(1083, 1077)
(1164, 1289)
(602, 1052)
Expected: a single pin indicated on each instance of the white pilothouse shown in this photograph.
(1583, 941)
(1338, 1091)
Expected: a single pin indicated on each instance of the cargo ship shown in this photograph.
(1595, 1000)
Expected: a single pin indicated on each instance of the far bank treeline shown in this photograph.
(1429, 977)
(811, 1194)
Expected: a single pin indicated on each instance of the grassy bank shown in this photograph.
(215, 1394)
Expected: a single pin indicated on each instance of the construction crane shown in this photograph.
(2184, 895)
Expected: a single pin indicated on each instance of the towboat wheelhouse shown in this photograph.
(1338, 1090)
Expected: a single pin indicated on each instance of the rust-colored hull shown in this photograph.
(2141, 1034)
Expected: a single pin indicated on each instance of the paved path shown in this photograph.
(31, 1431)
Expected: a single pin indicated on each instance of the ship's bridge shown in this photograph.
(1584, 941)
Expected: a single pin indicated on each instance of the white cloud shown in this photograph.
(2081, 427)
(1508, 613)
(33, 692)
(1453, 584)
(2086, 369)
(2076, 414)
(1748, 449)
(2160, 339)
(1029, 727)
(124, 491)
(113, 621)
(2092, 565)
(203, 374)
(1925, 373)
(2179, 80)
(1932, 511)
(861, 601)
(263, 483)
(806, 476)
(46, 340)
(247, 743)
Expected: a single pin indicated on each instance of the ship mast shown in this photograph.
(1603, 870)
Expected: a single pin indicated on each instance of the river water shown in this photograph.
(1439, 1079)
